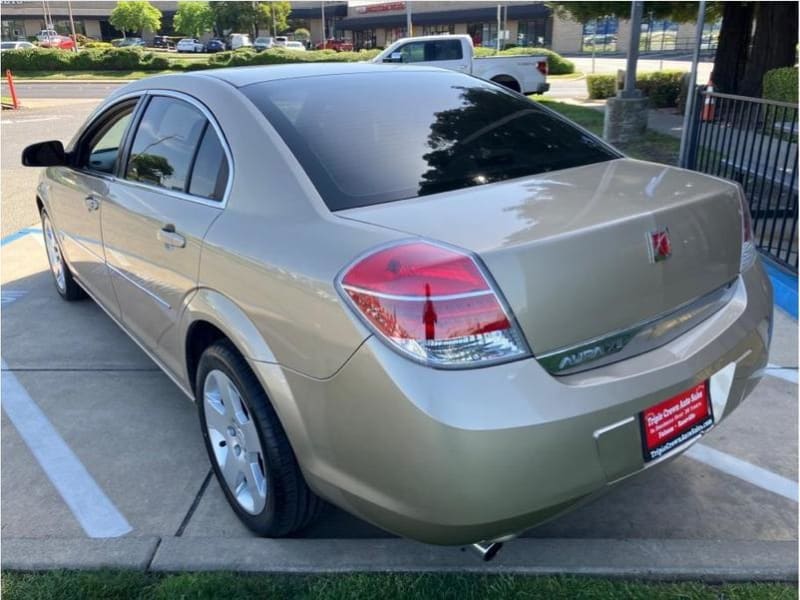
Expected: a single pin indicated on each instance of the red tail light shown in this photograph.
(542, 67)
(433, 304)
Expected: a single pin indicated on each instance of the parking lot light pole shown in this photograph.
(691, 93)
(324, 33)
(630, 90)
(72, 25)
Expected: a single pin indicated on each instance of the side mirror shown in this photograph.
(44, 154)
(394, 57)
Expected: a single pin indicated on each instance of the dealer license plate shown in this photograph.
(675, 421)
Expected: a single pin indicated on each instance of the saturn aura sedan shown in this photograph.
(415, 294)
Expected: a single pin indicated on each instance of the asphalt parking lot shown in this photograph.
(103, 463)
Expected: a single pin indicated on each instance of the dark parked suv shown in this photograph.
(215, 45)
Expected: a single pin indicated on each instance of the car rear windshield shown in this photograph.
(379, 137)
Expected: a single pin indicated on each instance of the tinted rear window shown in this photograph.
(370, 138)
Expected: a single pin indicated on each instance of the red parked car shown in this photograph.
(338, 45)
(58, 41)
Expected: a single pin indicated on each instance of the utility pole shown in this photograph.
(691, 93)
(499, 23)
(626, 113)
(72, 25)
(409, 26)
(630, 90)
(324, 32)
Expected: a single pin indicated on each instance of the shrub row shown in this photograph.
(104, 58)
(110, 59)
(277, 56)
(781, 84)
(556, 64)
(663, 88)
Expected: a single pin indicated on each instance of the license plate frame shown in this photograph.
(676, 421)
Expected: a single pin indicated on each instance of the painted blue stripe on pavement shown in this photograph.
(784, 286)
(731, 465)
(12, 237)
(92, 508)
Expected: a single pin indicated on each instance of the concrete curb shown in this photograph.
(695, 560)
(39, 554)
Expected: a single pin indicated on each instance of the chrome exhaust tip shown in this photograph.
(488, 551)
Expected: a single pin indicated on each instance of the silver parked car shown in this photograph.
(413, 293)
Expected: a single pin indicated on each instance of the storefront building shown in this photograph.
(376, 24)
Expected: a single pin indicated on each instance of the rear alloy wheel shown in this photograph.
(248, 448)
(66, 285)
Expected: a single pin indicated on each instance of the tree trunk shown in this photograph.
(774, 44)
(734, 42)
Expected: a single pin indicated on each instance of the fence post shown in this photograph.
(12, 89)
(689, 161)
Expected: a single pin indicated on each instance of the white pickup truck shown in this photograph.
(522, 73)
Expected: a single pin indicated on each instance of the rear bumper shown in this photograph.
(452, 457)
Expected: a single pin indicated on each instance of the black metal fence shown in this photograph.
(753, 141)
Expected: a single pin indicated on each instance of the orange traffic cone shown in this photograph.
(708, 103)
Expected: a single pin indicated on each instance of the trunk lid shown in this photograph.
(571, 251)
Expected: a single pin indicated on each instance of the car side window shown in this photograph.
(413, 52)
(445, 50)
(104, 146)
(432, 51)
(210, 170)
(165, 143)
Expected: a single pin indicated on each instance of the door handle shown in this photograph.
(169, 238)
(92, 204)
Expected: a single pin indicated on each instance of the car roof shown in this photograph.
(242, 76)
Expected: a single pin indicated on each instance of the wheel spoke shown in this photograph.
(231, 472)
(236, 404)
(257, 481)
(215, 413)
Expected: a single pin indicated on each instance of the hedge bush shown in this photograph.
(276, 56)
(600, 87)
(780, 84)
(111, 59)
(663, 88)
(95, 44)
(556, 64)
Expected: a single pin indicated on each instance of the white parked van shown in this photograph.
(239, 40)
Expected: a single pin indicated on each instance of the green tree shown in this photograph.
(274, 16)
(681, 12)
(135, 16)
(302, 34)
(250, 16)
(754, 38)
(193, 18)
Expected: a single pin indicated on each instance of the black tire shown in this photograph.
(70, 291)
(290, 504)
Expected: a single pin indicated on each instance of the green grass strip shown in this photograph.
(91, 585)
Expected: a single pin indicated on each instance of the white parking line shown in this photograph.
(766, 480)
(36, 120)
(92, 508)
(786, 373)
(9, 296)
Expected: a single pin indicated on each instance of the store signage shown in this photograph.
(384, 7)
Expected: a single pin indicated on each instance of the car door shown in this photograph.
(172, 186)
(447, 54)
(78, 193)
